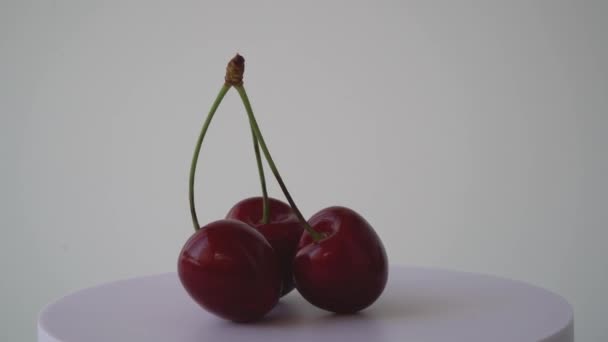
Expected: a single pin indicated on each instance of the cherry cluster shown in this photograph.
(239, 267)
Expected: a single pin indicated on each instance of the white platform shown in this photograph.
(419, 305)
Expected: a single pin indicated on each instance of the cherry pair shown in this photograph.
(238, 267)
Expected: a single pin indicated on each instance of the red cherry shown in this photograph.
(283, 230)
(347, 270)
(230, 269)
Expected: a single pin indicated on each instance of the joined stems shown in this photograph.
(316, 236)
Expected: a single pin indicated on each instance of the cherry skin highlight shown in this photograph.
(347, 270)
(283, 231)
(230, 269)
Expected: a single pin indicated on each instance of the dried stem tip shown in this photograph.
(235, 70)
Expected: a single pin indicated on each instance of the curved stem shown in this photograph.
(258, 159)
(197, 149)
(316, 236)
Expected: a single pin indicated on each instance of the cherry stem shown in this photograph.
(316, 236)
(197, 150)
(258, 159)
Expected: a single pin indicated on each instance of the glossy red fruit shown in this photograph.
(230, 270)
(347, 270)
(283, 231)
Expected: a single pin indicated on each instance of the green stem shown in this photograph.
(316, 236)
(197, 150)
(258, 159)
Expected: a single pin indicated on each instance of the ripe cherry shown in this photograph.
(347, 270)
(230, 269)
(283, 230)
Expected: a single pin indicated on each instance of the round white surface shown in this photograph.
(418, 305)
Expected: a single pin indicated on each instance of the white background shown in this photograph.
(471, 135)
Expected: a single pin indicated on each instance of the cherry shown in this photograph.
(227, 266)
(282, 230)
(230, 269)
(347, 270)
